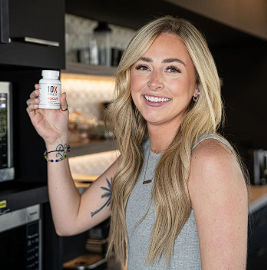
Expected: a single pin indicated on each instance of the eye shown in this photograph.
(173, 69)
(141, 67)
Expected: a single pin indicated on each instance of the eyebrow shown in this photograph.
(167, 60)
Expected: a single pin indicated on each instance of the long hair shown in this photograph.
(170, 197)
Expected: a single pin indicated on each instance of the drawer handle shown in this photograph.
(4, 22)
(41, 41)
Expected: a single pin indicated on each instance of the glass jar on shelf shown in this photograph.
(102, 34)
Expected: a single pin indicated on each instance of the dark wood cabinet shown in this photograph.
(36, 34)
(28, 23)
(257, 240)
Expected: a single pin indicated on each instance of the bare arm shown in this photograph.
(72, 213)
(219, 199)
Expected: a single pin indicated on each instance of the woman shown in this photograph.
(179, 197)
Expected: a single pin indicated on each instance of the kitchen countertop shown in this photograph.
(258, 198)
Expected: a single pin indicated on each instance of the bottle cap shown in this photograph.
(52, 74)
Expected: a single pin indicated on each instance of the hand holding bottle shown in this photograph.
(51, 124)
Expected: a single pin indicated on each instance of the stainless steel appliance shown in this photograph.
(20, 239)
(7, 171)
(258, 172)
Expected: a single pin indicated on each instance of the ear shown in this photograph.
(197, 90)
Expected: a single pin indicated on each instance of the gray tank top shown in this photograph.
(186, 253)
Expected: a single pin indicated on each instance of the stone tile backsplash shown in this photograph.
(79, 33)
(94, 164)
(87, 96)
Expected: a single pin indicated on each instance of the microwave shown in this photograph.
(21, 239)
(7, 171)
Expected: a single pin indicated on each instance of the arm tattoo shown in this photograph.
(107, 195)
(61, 150)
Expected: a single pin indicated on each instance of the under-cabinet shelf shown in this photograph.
(92, 147)
(85, 69)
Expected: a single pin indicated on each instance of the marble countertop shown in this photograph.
(257, 198)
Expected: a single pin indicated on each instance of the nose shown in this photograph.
(155, 82)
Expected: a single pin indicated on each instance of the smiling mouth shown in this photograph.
(156, 99)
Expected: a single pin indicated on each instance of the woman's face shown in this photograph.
(163, 82)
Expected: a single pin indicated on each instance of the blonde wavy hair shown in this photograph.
(170, 197)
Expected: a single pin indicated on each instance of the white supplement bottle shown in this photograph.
(50, 89)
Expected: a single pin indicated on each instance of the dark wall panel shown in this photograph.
(243, 69)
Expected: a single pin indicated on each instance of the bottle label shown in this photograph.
(49, 95)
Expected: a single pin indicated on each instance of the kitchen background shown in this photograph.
(237, 36)
(87, 94)
(87, 97)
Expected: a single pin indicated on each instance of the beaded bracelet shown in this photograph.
(55, 160)
(65, 150)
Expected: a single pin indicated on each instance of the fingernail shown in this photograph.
(35, 105)
(36, 99)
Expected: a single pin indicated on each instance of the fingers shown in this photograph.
(35, 93)
(34, 98)
(33, 102)
(63, 102)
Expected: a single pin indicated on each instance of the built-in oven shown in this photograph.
(21, 239)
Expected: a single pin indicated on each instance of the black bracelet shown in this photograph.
(65, 150)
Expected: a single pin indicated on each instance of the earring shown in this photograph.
(197, 97)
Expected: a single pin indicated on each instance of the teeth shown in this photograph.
(156, 99)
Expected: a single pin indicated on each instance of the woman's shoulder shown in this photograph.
(211, 153)
(214, 163)
(212, 140)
